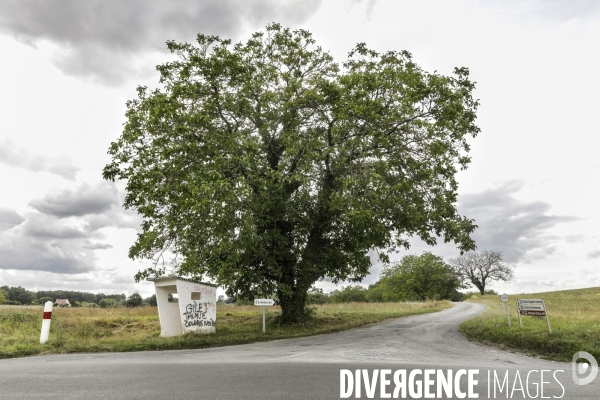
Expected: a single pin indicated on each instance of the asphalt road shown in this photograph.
(306, 368)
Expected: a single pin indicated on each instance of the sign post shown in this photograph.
(547, 316)
(264, 303)
(533, 307)
(504, 299)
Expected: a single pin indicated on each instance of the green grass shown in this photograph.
(134, 329)
(574, 317)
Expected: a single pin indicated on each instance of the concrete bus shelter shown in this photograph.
(195, 311)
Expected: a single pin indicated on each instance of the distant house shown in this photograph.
(62, 303)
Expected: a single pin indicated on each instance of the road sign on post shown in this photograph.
(504, 299)
(535, 308)
(264, 303)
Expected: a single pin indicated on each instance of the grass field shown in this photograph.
(574, 317)
(134, 329)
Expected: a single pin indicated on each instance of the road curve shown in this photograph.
(304, 368)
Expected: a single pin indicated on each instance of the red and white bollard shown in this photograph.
(46, 322)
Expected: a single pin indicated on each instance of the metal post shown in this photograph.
(547, 316)
(519, 312)
(507, 313)
(263, 319)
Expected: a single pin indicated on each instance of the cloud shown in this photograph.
(64, 233)
(370, 6)
(9, 219)
(515, 227)
(57, 249)
(15, 157)
(98, 246)
(557, 10)
(99, 38)
(82, 201)
(593, 254)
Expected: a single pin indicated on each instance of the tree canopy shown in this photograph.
(479, 269)
(424, 277)
(266, 166)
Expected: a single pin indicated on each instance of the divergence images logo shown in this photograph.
(580, 370)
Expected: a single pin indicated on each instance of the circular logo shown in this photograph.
(580, 370)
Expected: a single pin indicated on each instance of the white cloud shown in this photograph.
(65, 233)
(20, 158)
(100, 40)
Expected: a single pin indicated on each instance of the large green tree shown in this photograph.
(417, 278)
(267, 166)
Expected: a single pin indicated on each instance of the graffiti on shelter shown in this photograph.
(195, 315)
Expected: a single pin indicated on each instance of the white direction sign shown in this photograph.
(264, 302)
(504, 297)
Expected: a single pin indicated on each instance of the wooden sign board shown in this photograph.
(533, 307)
(531, 304)
(533, 313)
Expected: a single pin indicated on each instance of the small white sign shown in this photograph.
(264, 302)
(504, 297)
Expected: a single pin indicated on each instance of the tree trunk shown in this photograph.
(293, 307)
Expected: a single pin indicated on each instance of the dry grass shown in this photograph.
(574, 316)
(131, 329)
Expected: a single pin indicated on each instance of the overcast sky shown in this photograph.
(69, 66)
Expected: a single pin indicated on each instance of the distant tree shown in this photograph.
(317, 296)
(375, 293)
(135, 300)
(349, 294)
(43, 300)
(107, 303)
(19, 294)
(479, 269)
(418, 278)
(230, 300)
(2, 298)
(172, 299)
(267, 166)
(221, 298)
(151, 301)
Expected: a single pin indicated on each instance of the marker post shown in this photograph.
(504, 299)
(46, 322)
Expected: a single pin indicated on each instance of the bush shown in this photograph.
(107, 303)
(375, 293)
(135, 300)
(316, 296)
(349, 294)
(151, 301)
(43, 300)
